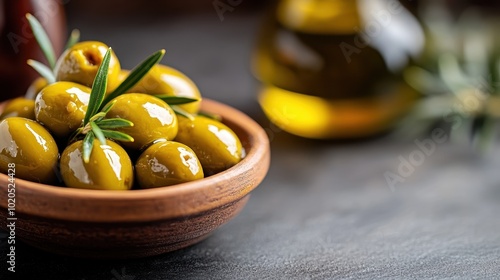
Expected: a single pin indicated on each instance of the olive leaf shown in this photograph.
(88, 143)
(43, 70)
(94, 118)
(74, 37)
(210, 116)
(108, 107)
(98, 133)
(98, 88)
(120, 136)
(95, 124)
(176, 100)
(451, 79)
(114, 123)
(136, 75)
(43, 40)
(97, 117)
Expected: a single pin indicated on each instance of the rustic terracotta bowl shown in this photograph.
(139, 223)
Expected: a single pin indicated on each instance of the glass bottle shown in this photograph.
(332, 68)
(17, 43)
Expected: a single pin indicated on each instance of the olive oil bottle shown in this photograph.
(332, 68)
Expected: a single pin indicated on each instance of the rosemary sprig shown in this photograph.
(95, 125)
(43, 70)
(175, 100)
(98, 88)
(43, 40)
(136, 75)
(210, 116)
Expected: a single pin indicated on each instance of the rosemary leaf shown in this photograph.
(73, 38)
(98, 133)
(210, 116)
(97, 117)
(43, 70)
(116, 135)
(114, 123)
(43, 40)
(108, 107)
(98, 88)
(136, 75)
(181, 112)
(176, 100)
(88, 143)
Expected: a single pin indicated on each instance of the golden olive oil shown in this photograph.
(331, 68)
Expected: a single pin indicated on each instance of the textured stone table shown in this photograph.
(325, 210)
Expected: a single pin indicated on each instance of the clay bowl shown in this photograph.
(139, 223)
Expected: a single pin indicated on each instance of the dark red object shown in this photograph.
(17, 43)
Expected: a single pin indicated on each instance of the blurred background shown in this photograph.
(326, 69)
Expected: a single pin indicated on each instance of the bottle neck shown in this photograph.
(320, 16)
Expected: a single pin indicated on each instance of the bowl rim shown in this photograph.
(186, 199)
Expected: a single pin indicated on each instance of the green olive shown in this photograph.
(30, 147)
(166, 80)
(167, 163)
(153, 118)
(109, 167)
(19, 107)
(215, 144)
(61, 107)
(36, 87)
(79, 64)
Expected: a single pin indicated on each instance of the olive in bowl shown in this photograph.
(138, 223)
(165, 80)
(166, 163)
(29, 147)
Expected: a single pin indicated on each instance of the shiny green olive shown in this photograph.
(109, 167)
(36, 87)
(29, 148)
(19, 107)
(79, 64)
(166, 80)
(167, 163)
(153, 118)
(61, 107)
(215, 144)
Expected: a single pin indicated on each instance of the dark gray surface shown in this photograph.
(325, 210)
